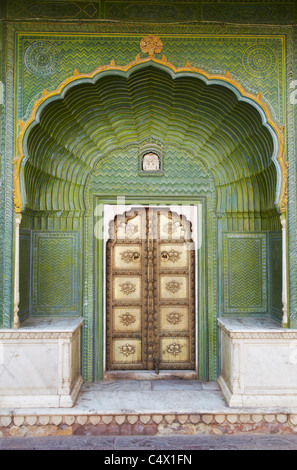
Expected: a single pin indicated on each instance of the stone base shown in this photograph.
(259, 363)
(40, 364)
(40, 401)
(139, 408)
(146, 424)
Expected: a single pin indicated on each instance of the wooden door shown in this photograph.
(150, 292)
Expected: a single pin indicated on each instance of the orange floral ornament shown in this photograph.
(151, 45)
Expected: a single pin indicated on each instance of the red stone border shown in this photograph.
(152, 424)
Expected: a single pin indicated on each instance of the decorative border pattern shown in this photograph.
(226, 271)
(34, 335)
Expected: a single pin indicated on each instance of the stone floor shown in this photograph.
(147, 408)
(170, 444)
(151, 396)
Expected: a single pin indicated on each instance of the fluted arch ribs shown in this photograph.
(91, 120)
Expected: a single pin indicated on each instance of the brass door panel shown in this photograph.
(150, 292)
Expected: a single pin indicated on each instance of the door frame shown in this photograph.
(201, 320)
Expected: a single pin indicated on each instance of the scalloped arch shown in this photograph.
(89, 115)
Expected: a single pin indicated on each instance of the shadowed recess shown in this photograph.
(91, 120)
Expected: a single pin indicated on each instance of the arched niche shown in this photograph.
(92, 119)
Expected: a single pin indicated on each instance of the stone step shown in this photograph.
(147, 408)
(93, 424)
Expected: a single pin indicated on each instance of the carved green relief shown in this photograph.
(252, 274)
(226, 135)
(25, 275)
(6, 206)
(54, 9)
(55, 282)
(245, 273)
(183, 174)
(292, 202)
(240, 11)
(275, 275)
(152, 10)
(46, 61)
(1, 176)
(249, 12)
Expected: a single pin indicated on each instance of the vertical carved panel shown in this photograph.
(275, 274)
(125, 302)
(25, 274)
(175, 296)
(245, 273)
(55, 273)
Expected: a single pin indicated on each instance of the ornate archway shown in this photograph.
(222, 86)
(91, 118)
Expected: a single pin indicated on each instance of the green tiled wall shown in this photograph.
(25, 275)
(245, 273)
(55, 275)
(275, 275)
(240, 11)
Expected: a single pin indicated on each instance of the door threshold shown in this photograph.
(151, 375)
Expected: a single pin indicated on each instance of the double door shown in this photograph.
(150, 292)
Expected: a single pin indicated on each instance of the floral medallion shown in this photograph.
(174, 348)
(128, 288)
(151, 45)
(42, 58)
(174, 317)
(127, 318)
(171, 255)
(173, 286)
(127, 349)
(130, 256)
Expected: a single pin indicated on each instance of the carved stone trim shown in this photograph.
(21, 335)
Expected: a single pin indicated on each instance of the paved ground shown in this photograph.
(168, 444)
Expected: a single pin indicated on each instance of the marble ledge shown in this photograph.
(40, 326)
(240, 327)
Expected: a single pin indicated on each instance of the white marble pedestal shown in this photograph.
(259, 363)
(40, 363)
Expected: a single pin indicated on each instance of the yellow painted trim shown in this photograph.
(227, 78)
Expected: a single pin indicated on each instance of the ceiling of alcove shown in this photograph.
(93, 119)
